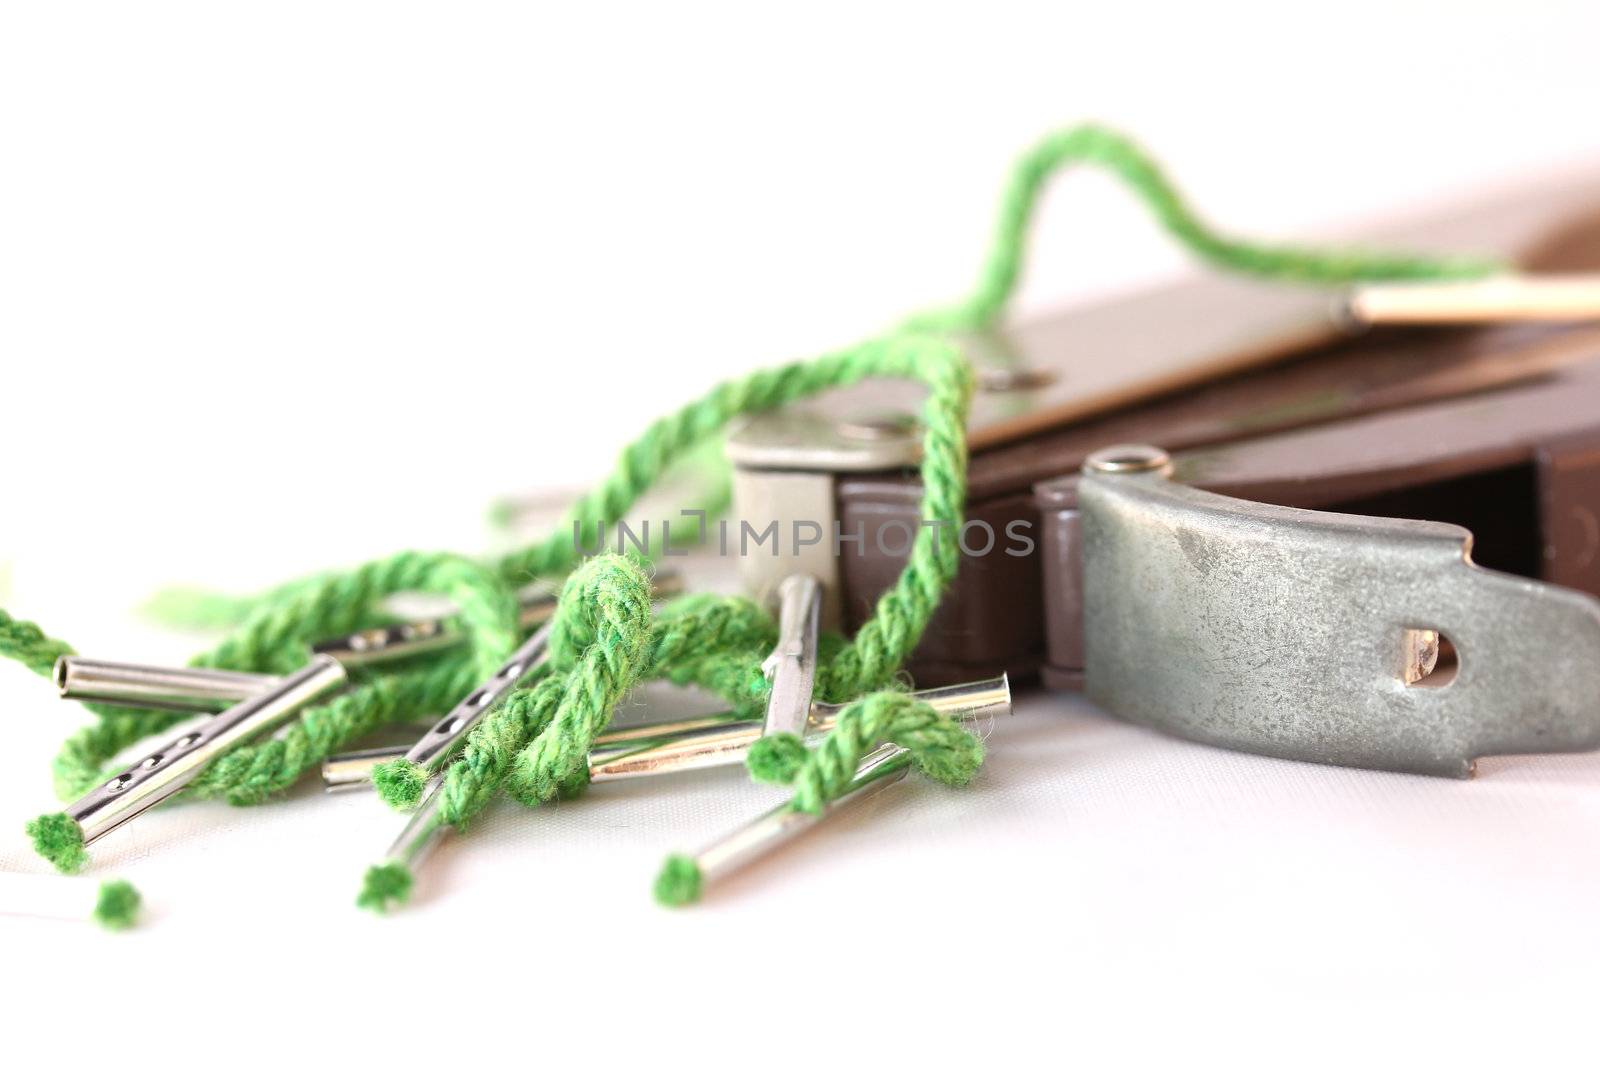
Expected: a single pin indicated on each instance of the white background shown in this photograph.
(292, 285)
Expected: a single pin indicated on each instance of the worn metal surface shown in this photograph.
(792, 666)
(1286, 632)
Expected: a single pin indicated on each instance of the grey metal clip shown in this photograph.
(1305, 634)
(792, 667)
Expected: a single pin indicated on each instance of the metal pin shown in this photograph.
(188, 688)
(167, 770)
(536, 606)
(435, 748)
(881, 769)
(139, 685)
(350, 771)
(792, 667)
(971, 701)
(725, 745)
(423, 831)
(1507, 298)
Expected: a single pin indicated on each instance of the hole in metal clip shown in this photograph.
(186, 740)
(116, 784)
(153, 762)
(511, 670)
(448, 726)
(1428, 658)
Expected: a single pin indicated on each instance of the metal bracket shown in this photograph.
(1293, 633)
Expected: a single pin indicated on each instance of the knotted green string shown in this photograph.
(605, 641)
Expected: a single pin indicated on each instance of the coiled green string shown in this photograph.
(534, 745)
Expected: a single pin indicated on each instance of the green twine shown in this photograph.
(1096, 145)
(533, 746)
(30, 646)
(385, 886)
(679, 882)
(117, 906)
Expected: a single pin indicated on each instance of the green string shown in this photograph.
(604, 639)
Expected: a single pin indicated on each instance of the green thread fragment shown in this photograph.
(58, 839)
(117, 906)
(679, 883)
(386, 885)
(400, 783)
(776, 758)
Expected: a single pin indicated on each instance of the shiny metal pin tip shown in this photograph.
(792, 666)
(719, 861)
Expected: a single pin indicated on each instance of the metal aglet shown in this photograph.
(722, 746)
(167, 688)
(882, 768)
(189, 688)
(792, 667)
(436, 747)
(350, 771)
(423, 831)
(164, 772)
(1505, 298)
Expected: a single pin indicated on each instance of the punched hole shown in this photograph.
(152, 762)
(448, 726)
(116, 784)
(1428, 658)
(186, 740)
(511, 670)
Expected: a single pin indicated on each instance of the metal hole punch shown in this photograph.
(164, 772)
(792, 667)
(1500, 299)
(195, 688)
(722, 746)
(882, 768)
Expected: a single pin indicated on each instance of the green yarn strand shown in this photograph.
(940, 747)
(1102, 147)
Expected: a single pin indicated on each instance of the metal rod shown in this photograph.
(792, 667)
(167, 770)
(881, 769)
(435, 748)
(1508, 298)
(423, 831)
(724, 745)
(536, 606)
(349, 771)
(139, 685)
